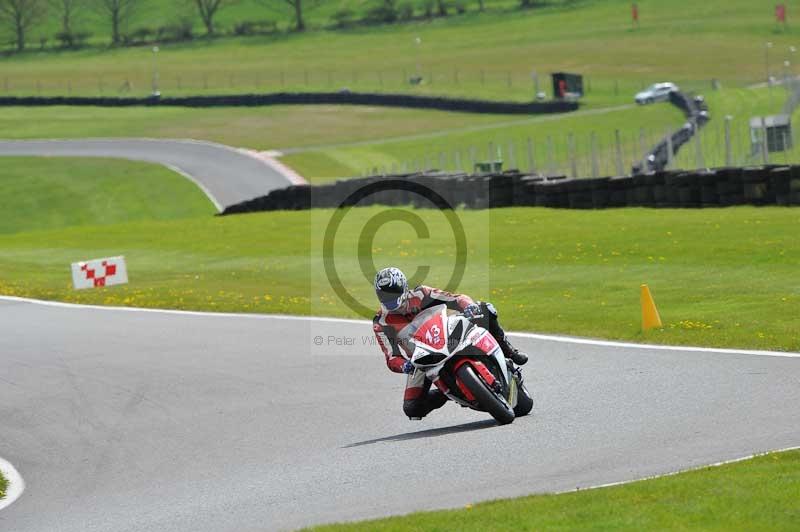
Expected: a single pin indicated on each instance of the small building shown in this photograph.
(776, 128)
(567, 86)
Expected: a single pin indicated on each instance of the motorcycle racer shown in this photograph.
(399, 306)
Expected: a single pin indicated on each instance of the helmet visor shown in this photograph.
(391, 300)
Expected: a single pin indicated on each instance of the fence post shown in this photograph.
(728, 147)
(531, 157)
(457, 156)
(764, 147)
(643, 149)
(491, 152)
(618, 150)
(573, 163)
(551, 163)
(512, 161)
(472, 157)
(595, 164)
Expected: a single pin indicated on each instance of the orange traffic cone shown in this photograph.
(650, 317)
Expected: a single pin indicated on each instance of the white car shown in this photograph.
(656, 93)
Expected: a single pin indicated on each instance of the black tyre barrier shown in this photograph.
(719, 187)
(696, 112)
(304, 98)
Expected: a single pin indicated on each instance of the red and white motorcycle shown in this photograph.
(466, 363)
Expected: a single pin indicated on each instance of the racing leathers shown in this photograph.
(418, 399)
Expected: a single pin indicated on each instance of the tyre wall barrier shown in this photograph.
(720, 187)
(305, 98)
(696, 111)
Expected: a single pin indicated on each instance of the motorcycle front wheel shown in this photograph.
(524, 401)
(485, 396)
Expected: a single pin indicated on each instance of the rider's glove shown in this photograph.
(473, 312)
(408, 367)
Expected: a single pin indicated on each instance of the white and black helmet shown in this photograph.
(391, 287)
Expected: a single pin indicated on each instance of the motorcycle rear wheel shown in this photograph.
(485, 396)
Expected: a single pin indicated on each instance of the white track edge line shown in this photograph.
(534, 336)
(200, 185)
(680, 471)
(15, 483)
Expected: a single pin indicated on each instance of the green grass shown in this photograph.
(721, 277)
(448, 150)
(49, 193)
(257, 128)
(3, 486)
(741, 106)
(329, 142)
(757, 494)
(679, 40)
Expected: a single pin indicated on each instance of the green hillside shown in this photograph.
(491, 54)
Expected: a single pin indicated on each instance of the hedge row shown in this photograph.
(305, 98)
(765, 185)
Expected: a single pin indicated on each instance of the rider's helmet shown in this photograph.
(391, 287)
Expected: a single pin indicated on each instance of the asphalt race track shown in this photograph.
(227, 175)
(133, 421)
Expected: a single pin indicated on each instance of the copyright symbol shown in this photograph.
(367, 236)
(318, 340)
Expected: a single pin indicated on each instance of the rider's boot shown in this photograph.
(493, 325)
(518, 357)
(419, 408)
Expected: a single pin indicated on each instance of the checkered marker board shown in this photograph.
(99, 272)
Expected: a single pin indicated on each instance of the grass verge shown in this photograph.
(756, 494)
(47, 193)
(721, 277)
(553, 140)
(3, 486)
(273, 127)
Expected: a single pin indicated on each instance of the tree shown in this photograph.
(207, 9)
(298, 7)
(21, 15)
(68, 9)
(480, 6)
(119, 11)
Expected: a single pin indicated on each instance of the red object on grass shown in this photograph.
(780, 13)
(635, 12)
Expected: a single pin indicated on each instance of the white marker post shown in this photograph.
(99, 272)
